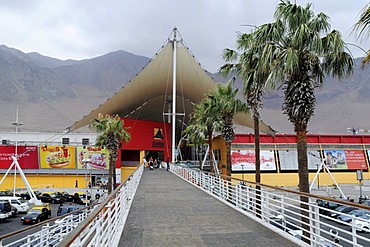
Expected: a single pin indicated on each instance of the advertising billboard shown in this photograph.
(244, 160)
(288, 160)
(27, 157)
(95, 157)
(345, 159)
(57, 157)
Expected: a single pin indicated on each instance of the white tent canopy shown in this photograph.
(149, 94)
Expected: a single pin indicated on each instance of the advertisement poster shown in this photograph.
(345, 159)
(57, 157)
(96, 157)
(244, 160)
(288, 160)
(355, 159)
(27, 157)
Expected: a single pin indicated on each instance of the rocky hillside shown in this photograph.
(52, 94)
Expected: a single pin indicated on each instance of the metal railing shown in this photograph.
(286, 212)
(98, 225)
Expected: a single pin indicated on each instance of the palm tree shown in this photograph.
(363, 27)
(112, 134)
(296, 55)
(202, 124)
(246, 59)
(246, 67)
(224, 101)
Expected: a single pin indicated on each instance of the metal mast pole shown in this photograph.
(16, 124)
(174, 95)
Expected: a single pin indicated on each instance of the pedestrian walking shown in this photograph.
(97, 194)
(168, 163)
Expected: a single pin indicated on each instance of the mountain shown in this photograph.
(52, 94)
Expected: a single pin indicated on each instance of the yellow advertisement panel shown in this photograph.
(94, 157)
(57, 157)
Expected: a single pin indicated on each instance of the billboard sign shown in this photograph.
(345, 159)
(57, 157)
(98, 158)
(27, 157)
(288, 160)
(245, 160)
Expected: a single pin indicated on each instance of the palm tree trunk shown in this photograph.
(210, 151)
(228, 159)
(303, 179)
(258, 161)
(114, 174)
(110, 174)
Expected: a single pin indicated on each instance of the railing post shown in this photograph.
(264, 204)
(354, 233)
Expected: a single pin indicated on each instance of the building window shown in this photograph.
(65, 141)
(85, 141)
(5, 142)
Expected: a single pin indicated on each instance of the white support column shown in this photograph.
(174, 96)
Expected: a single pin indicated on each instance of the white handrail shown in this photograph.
(280, 209)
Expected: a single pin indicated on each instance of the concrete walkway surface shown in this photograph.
(168, 211)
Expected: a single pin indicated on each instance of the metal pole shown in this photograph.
(174, 95)
(16, 124)
(86, 182)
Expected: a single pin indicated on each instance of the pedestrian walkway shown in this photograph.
(168, 211)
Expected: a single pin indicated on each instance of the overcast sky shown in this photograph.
(83, 29)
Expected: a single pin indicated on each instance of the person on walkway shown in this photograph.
(168, 163)
(97, 194)
(76, 184)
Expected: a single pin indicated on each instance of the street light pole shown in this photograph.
(85, 162)
(16, 124)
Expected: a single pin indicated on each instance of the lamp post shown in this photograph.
(85, 162)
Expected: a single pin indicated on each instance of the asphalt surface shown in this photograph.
(168, 211)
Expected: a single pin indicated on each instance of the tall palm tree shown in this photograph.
(204, 120)
(362, 26)
(111, 134)
(298, 51)
(224, 101)
(243, 63)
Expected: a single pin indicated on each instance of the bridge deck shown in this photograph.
(168, 211)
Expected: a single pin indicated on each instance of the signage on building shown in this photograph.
(95, 158)
(57, 157)
(27, 156)
(244, 160)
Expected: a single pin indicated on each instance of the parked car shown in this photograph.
(340, 211)
(26, 195)
(67, 197)
(326, 205)
(6, 208)
(65, 209)
(283, 225)
(363, 223)
(358, 213)
(57, 198)
(14, 211)
(37, 214)
(46, 197)
(3, 217)
(22, 207)
(6, 193)
(366, 202)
